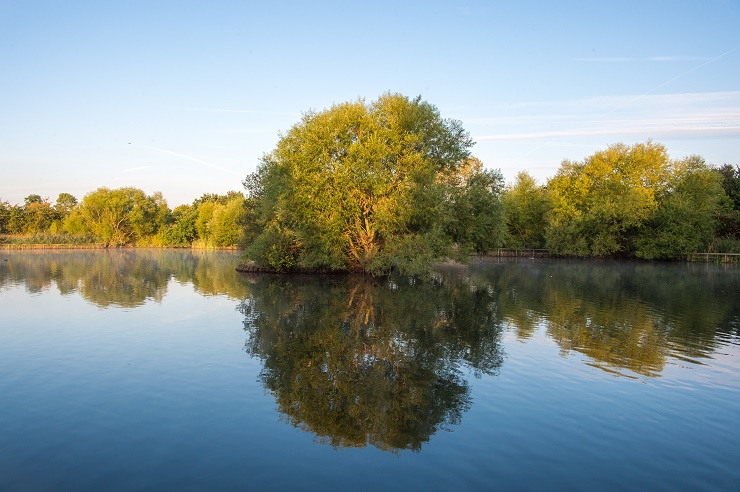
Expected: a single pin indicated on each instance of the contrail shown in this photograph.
(671, 80)
(194, 159)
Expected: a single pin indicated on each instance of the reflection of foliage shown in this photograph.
(629, 316)
(123, 277)
(360, 362)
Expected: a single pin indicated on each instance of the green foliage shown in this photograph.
(5, 210)
(731, 183)
(635, 201)
(35, 216)
(65, 204)
(729, 218)
(226, 223)
(478, 223)
(205, 214)
(220, 219)
(275, 248)
(685, 219)
(120, 216)
(126, 216)
(181, 231)
(526, 207)
(367, 187)
(599, 205)
(33, 199)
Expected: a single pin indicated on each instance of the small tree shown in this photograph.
(120, 216)
(5, 210)
(226, 223)
(526, 207)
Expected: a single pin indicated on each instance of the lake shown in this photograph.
(168, 370)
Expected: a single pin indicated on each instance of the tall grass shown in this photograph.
(48, 238)
(724, 245)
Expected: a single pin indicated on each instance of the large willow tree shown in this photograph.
(369, 188)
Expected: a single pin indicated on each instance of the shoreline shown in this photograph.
(12, 246)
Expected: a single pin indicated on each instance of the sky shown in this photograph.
(185, 97)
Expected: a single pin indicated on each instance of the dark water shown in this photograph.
(165, 370)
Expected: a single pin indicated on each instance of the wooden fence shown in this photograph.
(714, 257)
(521, 253)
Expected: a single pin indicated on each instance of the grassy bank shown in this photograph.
(79, 241)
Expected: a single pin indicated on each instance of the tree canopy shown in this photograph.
(634, 201)
(369, 188)
(526, 207)
(118, 216)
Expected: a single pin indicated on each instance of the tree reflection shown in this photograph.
(123, 277)
(357, 361)
(623, 316)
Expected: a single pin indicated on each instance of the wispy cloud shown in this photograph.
(623, 59)
(678, 58)
(690, 115)
(195, 159)
(667, 129)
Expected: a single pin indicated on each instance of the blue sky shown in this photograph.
(185, 97)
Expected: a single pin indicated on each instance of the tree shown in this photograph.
(181, 231)
(686, 217)
(359, 187)
(65, 203)
(729, 219)
(39, 216)
(731, 183)
(120, 216)
(599, 205)
(36, 215)
(526, 207)
(5, 210)
(478, 222)
(219, 219)
(205, 214)
(226, 223)
(33, 199)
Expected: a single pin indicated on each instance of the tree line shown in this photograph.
(390, 185)
(627, 201)
(126, 216)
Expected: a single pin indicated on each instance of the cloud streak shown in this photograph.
(194, 159)
(668, 130)
(624, 59)
(690, 115)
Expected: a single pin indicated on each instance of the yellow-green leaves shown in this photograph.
(634, 201)
(351, 183)
(598, 205)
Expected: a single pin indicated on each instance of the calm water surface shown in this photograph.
(164, 370)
